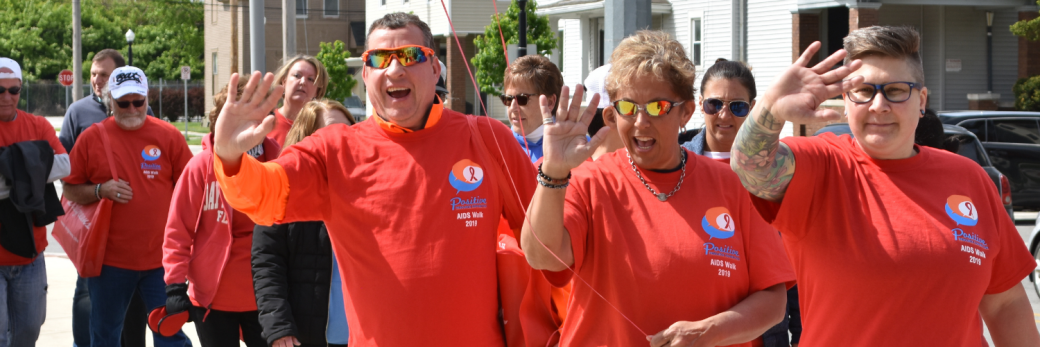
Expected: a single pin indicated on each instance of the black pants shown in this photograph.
(221, 328)
(134, 327)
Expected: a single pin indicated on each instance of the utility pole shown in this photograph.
(521, 47)
(77, 53)
(288, 29)
(257, 61)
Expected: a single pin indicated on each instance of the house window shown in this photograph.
(213, 81)
(301, 8)
(331, 8)
(696, 41)
(382, 2)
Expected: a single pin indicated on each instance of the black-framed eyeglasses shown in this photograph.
(738, 108)
(521, 99)
(894, 92)
(12, 90)
(654, 108)
(126, 104)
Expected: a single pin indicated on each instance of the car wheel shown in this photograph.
(1035, 276)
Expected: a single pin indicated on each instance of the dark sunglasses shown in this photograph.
(894, 92)
(713, 106)
(406, 55)
(654, 108)
(12, 90)
(521, 99)
(125, 104)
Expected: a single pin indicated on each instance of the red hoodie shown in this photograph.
(207, 242)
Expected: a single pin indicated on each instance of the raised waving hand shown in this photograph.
(765, 166)
(244, 122)
(566, 145)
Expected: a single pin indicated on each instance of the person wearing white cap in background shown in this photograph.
(23, 277)
(149, 156)
(596, 83)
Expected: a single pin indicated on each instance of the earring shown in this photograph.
(922, 112)
(682, 130)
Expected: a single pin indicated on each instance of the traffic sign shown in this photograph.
(65, 78)
(185, 72)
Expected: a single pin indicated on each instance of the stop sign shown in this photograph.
(65, 78)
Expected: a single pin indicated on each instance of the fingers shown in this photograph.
(564, 104)
(829, 62)
(573, 112)
(826, 114)
(261, 97)
(840, 73)
(803, 60)
(233, 88)
(835, 89)
(296, 342)
(659, 339)
(590, 111)
(254, 80)
(543, 102)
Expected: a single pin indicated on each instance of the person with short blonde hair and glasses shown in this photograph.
(304, 79)
(683, 262)
(894, 244)
(524, 80)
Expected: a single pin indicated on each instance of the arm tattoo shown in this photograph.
(765, 166)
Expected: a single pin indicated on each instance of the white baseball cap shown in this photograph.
(10, 69)
(127, 80)
(596, 83)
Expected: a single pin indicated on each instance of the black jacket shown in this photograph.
(292, 269)
(33, 201)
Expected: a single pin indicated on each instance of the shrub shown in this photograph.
(1027, 94)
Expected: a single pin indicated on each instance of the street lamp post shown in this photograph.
(130, 46)
(521, 47)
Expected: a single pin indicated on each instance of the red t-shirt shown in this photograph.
(413, 222)
(28, 127)
(281, 128)
(150, 159)
(893, 252)
(699, 253)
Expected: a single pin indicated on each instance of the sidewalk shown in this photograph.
(61, 281)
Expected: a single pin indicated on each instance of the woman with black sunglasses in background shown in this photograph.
(524, 80)
(727, 96)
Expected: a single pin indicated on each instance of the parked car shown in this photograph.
(1034, 247)
(356, 107)
(1012, 141)
(970, 148)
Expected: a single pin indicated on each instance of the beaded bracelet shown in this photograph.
(97, 192)
(553, 186)
(556, 181)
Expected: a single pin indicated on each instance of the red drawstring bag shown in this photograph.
(83, 231)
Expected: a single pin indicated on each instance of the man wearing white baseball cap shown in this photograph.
(23, 274)
(149, 156)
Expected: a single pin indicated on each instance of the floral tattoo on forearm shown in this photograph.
(765, 166)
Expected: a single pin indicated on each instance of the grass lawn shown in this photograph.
(194, 140)
(194, 127)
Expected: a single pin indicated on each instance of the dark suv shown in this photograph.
(1012, 141)
(970, 148)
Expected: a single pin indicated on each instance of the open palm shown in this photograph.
(243, 122)
(566, 145)
(798, 92)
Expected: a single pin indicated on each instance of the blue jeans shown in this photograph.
(110, 295)
(23, 302)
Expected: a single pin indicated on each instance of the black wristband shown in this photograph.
(551, 180)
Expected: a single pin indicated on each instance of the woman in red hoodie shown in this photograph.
(208, 245)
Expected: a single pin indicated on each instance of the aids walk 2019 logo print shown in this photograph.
(719, 224)
(150, 154)
(466, 176)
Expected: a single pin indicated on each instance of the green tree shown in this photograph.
(1029, 29)
(333, 55)
(38, 34)
(490, 60)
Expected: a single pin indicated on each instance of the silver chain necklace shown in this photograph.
(660, 196)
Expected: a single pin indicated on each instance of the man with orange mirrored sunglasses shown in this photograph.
(412, 199)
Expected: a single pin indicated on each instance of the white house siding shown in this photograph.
(965, 40)
(571, 68)
(769, 41)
